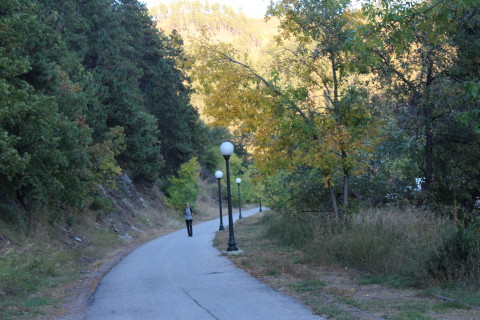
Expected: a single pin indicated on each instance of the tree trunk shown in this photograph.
(333, 198)
(346, 179)
(339, 123)
(428, 134)
(335, 90)
(428, 152)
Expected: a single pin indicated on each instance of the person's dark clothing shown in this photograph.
(188, 214)
(189, 227)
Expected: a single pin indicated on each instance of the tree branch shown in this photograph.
(267, 84)
(394, 70)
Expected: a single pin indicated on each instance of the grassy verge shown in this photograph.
(39, 261)
(404, 247)
(49, 268)
(333, 289)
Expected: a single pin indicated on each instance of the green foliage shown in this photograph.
(101, 205)
(236, 168)
(213, 160)
(291, 230)
(102, 154)
(143, 159)
(184, 188)
(86, 90)
(458, 259)
(432, 73)
(248, 193)
(391, 176)
(299, 191)
(13, 217)
(41, 145)
(251, 187)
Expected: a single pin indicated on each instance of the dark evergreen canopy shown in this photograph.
(87, 87)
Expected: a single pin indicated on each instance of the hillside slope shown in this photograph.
(188, 18)
(50, 269)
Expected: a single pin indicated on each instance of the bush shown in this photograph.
(184, 188)
(101, 205)
(458, 259)
(301, 190)
(212, 159)
(12, 217)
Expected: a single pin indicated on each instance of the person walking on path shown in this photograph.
(188, 214)
(158, 281)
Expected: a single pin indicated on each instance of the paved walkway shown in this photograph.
(180, 278)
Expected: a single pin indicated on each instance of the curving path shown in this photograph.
(180, 278)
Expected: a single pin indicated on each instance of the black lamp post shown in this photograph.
(226, 148)
(219, 175)
(260, 205)
(238, 181)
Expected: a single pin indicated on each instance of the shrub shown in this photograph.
(184, 188)
(11, 216)
(101, 205)
(458, 259)
(212, 159)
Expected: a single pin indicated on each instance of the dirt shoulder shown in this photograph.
(333, 291)
(74, 295)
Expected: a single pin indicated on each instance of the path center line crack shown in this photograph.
(198, 304)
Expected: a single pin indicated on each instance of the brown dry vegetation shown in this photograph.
(51, 271)
(331, 290)
(53, 275)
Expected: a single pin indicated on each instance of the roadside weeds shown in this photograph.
(334, 292)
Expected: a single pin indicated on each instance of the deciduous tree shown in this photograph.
(309, 111)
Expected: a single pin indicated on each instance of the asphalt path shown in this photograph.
(177, 277)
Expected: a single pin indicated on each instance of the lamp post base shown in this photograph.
(233, 252)
(232, 248)
(221, 228)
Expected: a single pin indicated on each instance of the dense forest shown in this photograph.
(360, 107)
(378, 103)
(335, 109)
(88, 89)
(372, 104)
(189, 18)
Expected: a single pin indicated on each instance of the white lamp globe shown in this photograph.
(219, 174)
(226, 148)
(238, 180)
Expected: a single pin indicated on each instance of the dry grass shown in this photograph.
(47, 262)
(40, 267)
(382, 241)
(333, 291)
